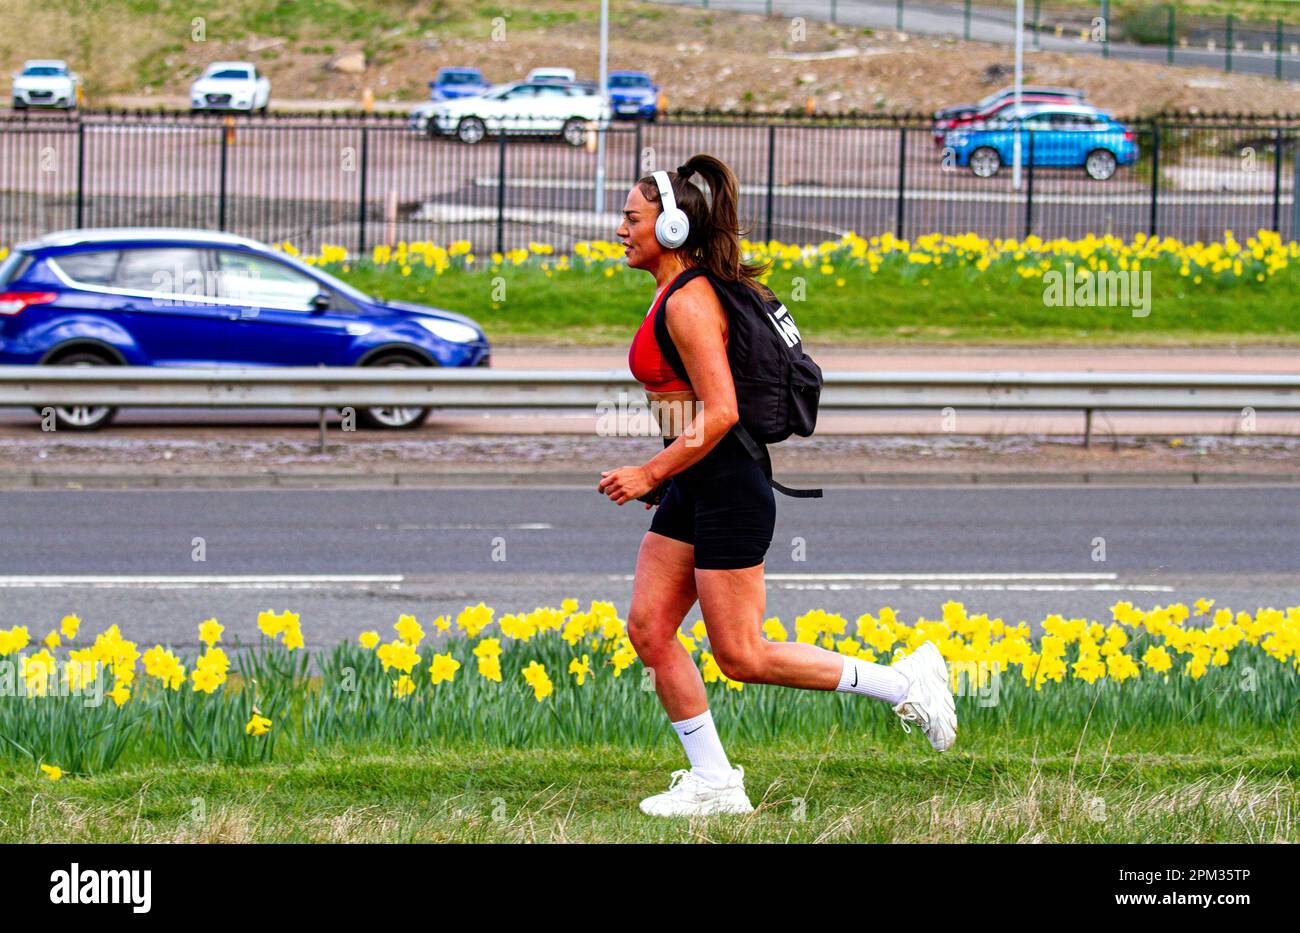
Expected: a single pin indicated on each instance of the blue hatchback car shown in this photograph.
(1057, 135)
(175, 297)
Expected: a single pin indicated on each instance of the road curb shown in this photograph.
(578, 479)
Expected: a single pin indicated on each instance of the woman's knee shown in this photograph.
(745, 662)
(651, 635)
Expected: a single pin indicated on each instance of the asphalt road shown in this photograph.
(351, 560)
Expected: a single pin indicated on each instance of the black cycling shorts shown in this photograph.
(723, 505)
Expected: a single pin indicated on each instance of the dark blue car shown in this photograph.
(633, 95)
(171, 297)
(453, 83)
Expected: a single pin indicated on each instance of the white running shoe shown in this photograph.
(691, 795)
(929, 700)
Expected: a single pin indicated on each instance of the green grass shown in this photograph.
(1225, 787)
(897, 306)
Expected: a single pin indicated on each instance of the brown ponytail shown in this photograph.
(714, 240)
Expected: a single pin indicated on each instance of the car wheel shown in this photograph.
(985, 162)
(1100, 164)
(393, 419)
(575, 132)
(81, 417)
(471, 130)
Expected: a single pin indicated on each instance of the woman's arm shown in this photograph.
(696, 326)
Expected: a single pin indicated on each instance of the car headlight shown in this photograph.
(453, 331)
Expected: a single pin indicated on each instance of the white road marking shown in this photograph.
(236, 581)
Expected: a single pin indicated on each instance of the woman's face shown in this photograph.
(637, 231)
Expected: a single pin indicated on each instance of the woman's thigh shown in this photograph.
(663, 590)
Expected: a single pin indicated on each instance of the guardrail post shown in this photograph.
(501, 192)
(1155, 175)
(1227, 47)
(1087, 427)
(771, 175)
(81, 172)
(1105, 28)
(221, 196)
(1277, 61)
(1169, 53)
(1277, 179)
(322, 425)
(902, 180)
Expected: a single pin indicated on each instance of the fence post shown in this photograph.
(1169, 57)
(361, 205)
(1036, 27)
(501, 192)
(1277, 179)
(1029, 187)
(1155, 175)
(900, 15)
(1227, 47)
(636, 156)
(768, 11)
(902, 179)
(834, 21)
(221, 196)
(966, 17)
(81, 172)
(771, 175)
(1295, 195)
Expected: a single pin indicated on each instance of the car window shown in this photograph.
(254, 279)
(174, 270)
(553, 91)
(231, 73)
(521, 93)
(12, 267)
(95, 268)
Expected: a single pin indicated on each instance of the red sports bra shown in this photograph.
(645, 358)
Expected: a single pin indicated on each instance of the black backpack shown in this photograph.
(777, 384)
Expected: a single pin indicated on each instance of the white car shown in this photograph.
(45, 83)
(231, 86)
(543, 108)
(552, 74)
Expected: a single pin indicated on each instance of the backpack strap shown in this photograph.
(759, 452)
(665, 340)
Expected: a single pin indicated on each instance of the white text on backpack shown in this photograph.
(784, 325)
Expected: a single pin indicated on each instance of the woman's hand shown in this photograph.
(626, 483)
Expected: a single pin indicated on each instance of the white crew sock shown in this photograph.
(879, 681)
(703, 748)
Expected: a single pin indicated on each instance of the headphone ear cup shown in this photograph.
(672, 228)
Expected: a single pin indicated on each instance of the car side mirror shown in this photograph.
(321, 302)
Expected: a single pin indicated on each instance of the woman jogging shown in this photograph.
(714, 521)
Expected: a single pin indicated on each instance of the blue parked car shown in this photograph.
(633, 94)
(1059, 136)
(452, 83)
(174, 297)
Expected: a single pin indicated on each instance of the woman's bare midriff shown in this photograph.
(672, 400)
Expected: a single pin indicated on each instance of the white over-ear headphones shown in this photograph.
(671, 226)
